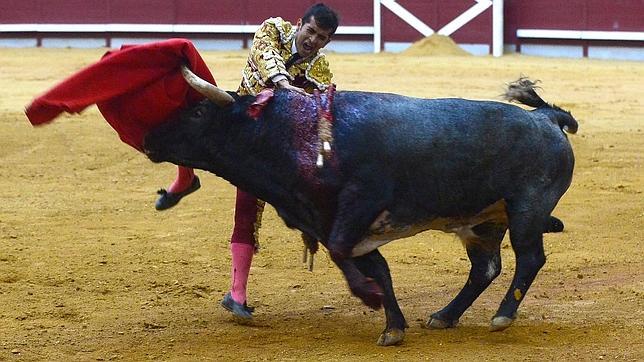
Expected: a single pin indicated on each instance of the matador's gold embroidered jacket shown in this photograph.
(272, 47)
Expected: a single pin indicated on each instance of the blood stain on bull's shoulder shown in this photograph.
(302, 116)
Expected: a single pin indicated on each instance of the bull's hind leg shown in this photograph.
(374, 265)
(527, 242)
(483, 248)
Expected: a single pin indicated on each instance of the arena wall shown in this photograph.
(97, 23)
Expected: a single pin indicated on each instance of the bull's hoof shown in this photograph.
(391, 337)
(435, 323)
(500, 323)
(370, 293)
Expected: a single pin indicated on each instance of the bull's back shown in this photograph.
(445, 156)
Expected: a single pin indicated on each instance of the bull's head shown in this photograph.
(191, 138)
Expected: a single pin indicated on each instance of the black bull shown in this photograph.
(398, 166)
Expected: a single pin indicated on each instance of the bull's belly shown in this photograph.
(383, 229)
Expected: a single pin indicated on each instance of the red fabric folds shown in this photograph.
(135, 88)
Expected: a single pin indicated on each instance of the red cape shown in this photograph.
(135, 88)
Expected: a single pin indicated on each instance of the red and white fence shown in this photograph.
(479, 26)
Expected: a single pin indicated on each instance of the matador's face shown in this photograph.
(310, 37)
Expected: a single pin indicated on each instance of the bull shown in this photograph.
(397, 166)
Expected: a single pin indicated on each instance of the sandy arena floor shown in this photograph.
(90, 271)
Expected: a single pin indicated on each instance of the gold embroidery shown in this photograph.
(258, 222)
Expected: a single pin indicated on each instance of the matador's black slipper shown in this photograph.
(169, 199)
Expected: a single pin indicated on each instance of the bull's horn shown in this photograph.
(210, 91)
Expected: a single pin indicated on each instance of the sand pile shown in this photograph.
(435, 44)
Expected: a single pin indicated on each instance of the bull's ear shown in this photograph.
(210, 91)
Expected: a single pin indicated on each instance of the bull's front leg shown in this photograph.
(375, 266)
(362, 287)
(358, 206)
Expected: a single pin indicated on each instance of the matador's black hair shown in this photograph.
(324, 16)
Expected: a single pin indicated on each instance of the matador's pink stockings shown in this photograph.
(242, 257)
(183, 180)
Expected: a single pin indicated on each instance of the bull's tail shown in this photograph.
(523, 91)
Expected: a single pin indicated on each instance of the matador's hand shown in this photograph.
(286, 85)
